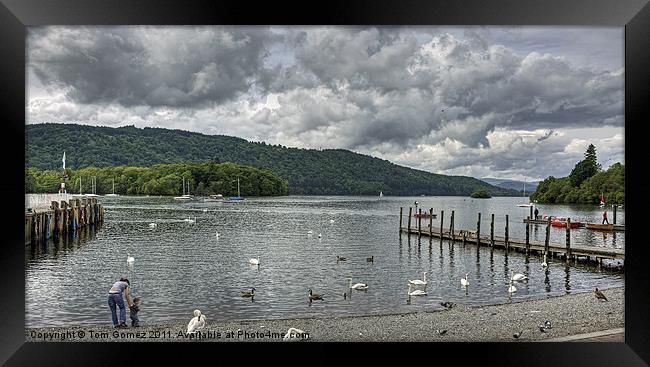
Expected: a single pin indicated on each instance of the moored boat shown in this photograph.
(561, 223)
(600, 227)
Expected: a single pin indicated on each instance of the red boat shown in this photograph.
(424, 215)
(561, 223)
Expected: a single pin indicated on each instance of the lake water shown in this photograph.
(181, 266)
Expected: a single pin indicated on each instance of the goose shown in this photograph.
(196, 323)
(518, 276)
(247, 294)
(345, 295)
(294, 334)
(370, 259)
(341, 258)
(129, 259)
(447, 304)
(420, 282)
(517, 335)
(254, 261)
(416, 292)
(358, 286)
(600, 295)
(463, 281)
(547, 324)
(542, 328)
(314, 296)
(441, 332)
(512, 288)
(544, 264)
(153, 225)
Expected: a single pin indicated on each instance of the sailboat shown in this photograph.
(93, 186)
(525, 205)
(602, 201)
(113, 194)
(381, 194)
(238, 197)
(184, 196)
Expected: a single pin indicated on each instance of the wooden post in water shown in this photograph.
(430, 223)
(63, 227)
(507, 235)
(400, 219)
(548, 235)
(451, 227)
(442, 221)
(527, 237)
(614, 213)
(408, 228)
(464, 237)
(531, 213)
(478, 231)
(419, 223)
(492, 231)
(568, 239)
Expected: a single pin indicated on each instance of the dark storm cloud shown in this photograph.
(170, 66)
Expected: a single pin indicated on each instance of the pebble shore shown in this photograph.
(569, 314)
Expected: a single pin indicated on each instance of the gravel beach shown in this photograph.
(569, 315)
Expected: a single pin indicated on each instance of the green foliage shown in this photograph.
(481, 194)
(585, 168)
(205, 178)
(308, 171)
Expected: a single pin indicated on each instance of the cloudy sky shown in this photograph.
(516, 102)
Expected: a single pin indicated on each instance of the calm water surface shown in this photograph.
(181, 266)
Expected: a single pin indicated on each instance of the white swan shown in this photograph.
(517, 276)
(544, 264)
(512, 288)
(358, 286)
(463, 281)
(416, 292)
(190, 220)
(153, 225)
(331, 220)
(254, 261)
(420, 282)
(205, 210)
(310, 232)
(129, 259)
(294, 334)
(196, 323)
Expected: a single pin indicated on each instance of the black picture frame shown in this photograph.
(15, 15)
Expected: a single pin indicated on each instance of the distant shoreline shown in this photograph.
(571, 314)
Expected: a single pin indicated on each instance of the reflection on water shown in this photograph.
(180, 266)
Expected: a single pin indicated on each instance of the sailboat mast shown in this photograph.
(238, 193)
(113, 186)
(183, 186)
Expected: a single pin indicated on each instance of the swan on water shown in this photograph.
(416, 292)
(463, 281)
(512, 288)
(518, 276)
(331, 220)
(254, 261)
(196, 323)
(358, 286)
(190, 220)
(153, 225)
(423, 281)
(544, 264)
(129, 258)
(294, 334)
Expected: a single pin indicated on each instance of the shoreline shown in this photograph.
(571, 314)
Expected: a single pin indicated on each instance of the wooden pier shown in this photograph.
(617, 227)
(62, 218)
(567, 250)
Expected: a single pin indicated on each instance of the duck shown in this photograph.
(345, 295)
(310, 232)
(447, 304)
(129, 259)
(547, 324)
(544, 264)
(294, 334)
(418, 281)
(441, 332)
(248, 294)
(517, 335)
(417, 292)
(314, 296)
(463, 281)
(370, 259)
(196, 323)
(358, 286)
(320, 235)
(518, 276)
(254, 261)
(600, 295)
(341, 258)
(512, 288)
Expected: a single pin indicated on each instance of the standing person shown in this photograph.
(605, 217)
(116, 295)
(135, 308)
(536, 213)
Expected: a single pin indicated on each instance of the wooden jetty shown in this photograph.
(567, 250)
(617, 227)
(62, 218)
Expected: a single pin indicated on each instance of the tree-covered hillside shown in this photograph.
(308, 171)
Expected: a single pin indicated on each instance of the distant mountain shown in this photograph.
(531, 186)
(308, 171)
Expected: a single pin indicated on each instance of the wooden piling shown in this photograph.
(409, 221)
(568, 239)
(430, 223)
(527, 237)
(400, 219)
(419, 223)
(531, 212)
(442, 221)
(507, 234)
(451, 227)
(548, 235)
(478, 231)
(614, 213)
(464, 237)
(492, 231)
